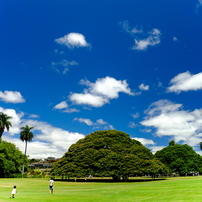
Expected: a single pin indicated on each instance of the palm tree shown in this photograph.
(26, 135)
(4, 123)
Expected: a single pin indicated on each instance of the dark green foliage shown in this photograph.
(180, 159)
(11, 159)
(172, 143)
(108, 153)
(34, 160)
(201, 145)
(4, 123)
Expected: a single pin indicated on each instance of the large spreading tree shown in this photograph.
(180, 158)
(4, 122)
(108, 153)
(11, 159)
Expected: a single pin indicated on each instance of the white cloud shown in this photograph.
(110, 87)
(34, 148)
(135, 31)
(73, 40)
(88, 99)
(198, 5)
(51, 141)
(175, 38)
(152, 40)
(65, 70)
(146, 130)
(86, 121)
(160, 84)
(132, 124)
(97, 125)
(15, 121)
(185, 82)
(71, 110)
(11, 96)
(154, 149)
(33, 116)
(144, 141)
(64, 63)
(135, 116)
(143, 87)
(62, 105)
(170, 119)
(101, 91)
(100, 122)
(125, 26)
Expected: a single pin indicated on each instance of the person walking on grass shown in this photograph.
(13, 192)
(51, 183)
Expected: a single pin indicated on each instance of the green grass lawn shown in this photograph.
(173, 189)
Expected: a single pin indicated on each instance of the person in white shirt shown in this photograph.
(51, 183)
(13, 192)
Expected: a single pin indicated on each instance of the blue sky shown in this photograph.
(69, 68)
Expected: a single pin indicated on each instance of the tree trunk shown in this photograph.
(1, 132)
(115, 178)
(23, 167)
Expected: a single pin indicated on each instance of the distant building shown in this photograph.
(50, 158)
(47, 163)
(40, 164)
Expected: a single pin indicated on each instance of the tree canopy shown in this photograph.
(108, 153)
(11, 159)
(4, 123)
(180, 158)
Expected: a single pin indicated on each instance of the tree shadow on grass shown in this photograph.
(109, 180)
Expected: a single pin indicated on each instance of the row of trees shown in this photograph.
(25, 135)
(114, 154)
(180, 159)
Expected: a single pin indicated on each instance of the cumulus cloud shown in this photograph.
(185, 82)
(100, 92)
(11, 96)
(110, 87)
(169, 119)
(143, 87)
(48, 140)
(152, 40)
(34, 147)
(73, 40)
(88, 99)
(61, 105)
(144, 141)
